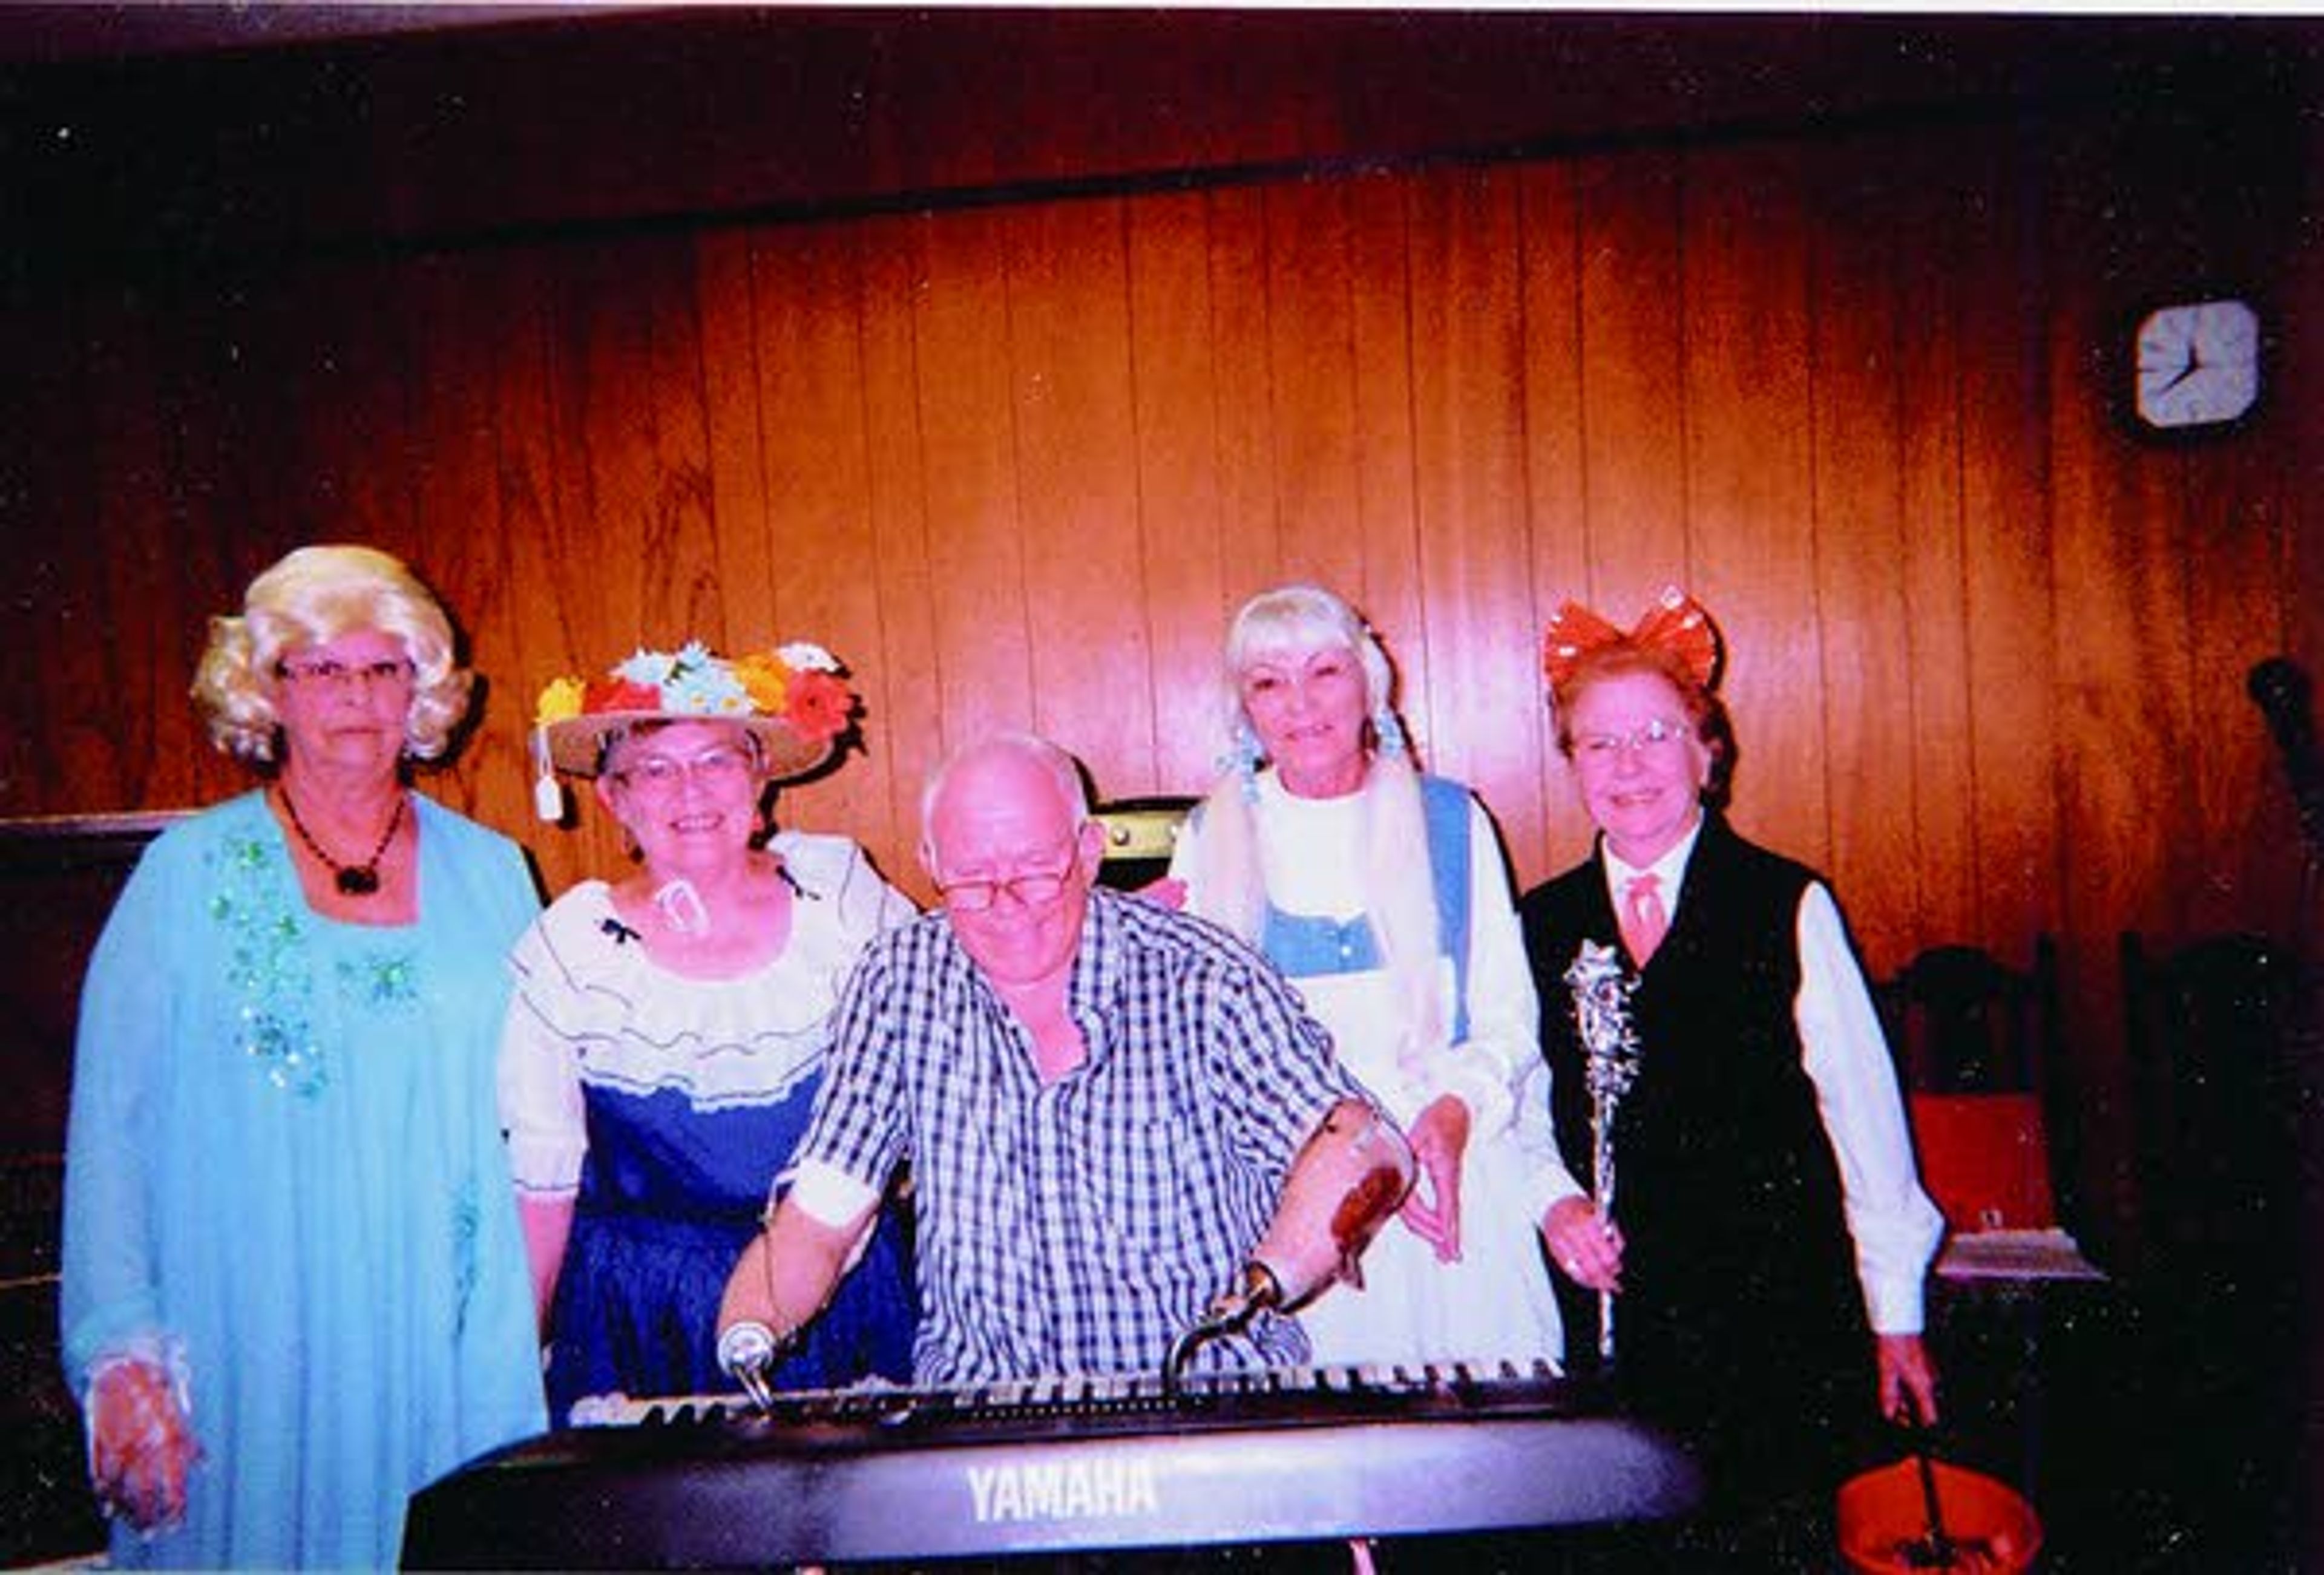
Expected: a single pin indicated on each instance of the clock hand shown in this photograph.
(2194, 364)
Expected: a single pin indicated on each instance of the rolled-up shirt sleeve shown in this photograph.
(829, 1195)
(857, 1135)
(1268, 1061)
(1896, 1227)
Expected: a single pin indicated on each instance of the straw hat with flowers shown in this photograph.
(792, 699)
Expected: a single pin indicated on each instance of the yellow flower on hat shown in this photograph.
(559, 700)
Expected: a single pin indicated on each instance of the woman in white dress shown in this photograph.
(1381, 894)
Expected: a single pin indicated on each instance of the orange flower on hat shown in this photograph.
(818, 704)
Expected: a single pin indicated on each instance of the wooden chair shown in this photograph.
(1961, 1021)
(1977, 1044)
(1140, 834)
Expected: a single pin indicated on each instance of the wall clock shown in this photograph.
(2197, 364)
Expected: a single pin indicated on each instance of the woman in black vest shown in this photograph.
(1770, 1235)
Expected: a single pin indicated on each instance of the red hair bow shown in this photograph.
(1675, 623)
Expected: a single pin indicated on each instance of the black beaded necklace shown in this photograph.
(352, 880)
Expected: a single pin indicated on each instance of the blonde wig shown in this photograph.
(1399, 897)
(312, 596)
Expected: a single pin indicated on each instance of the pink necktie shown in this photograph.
(1644, 923)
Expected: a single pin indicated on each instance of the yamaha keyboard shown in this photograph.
(1055, 1466)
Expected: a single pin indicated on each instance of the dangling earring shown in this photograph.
(1242, 758)
(1389, 732)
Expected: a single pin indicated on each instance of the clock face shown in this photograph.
(2198, 364)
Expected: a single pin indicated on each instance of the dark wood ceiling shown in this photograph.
(209, 132)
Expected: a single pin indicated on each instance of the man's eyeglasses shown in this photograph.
(330, 673)
(1659, 733)
(978, 895)
(723, 766)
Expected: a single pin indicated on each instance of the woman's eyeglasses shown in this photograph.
(717, 767)
(330, 673)
(1657, 734)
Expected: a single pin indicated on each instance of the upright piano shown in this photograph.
(1056, 1466)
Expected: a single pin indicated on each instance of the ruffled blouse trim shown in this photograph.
(636, 1026)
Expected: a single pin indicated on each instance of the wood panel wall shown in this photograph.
(1017, 461)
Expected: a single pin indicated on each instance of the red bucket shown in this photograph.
(1990, 1529)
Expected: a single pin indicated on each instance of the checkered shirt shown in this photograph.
(1079, 1227)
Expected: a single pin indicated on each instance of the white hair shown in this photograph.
(1399, 894)
(1300, 618)
(1073, 792)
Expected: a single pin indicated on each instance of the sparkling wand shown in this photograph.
(1601, 1011)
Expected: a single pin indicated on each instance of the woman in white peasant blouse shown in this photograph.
(665, 1043)
(1381, 894)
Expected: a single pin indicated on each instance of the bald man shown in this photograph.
(1116, 1117)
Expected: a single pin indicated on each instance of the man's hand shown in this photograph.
(1431, 1211)
(141, 1446)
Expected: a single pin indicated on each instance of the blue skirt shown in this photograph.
(636, 1311)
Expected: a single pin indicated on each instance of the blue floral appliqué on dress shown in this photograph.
(384, 979)
(268, 967)
(266, 953)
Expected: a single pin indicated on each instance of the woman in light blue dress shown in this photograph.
(294, 1287)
